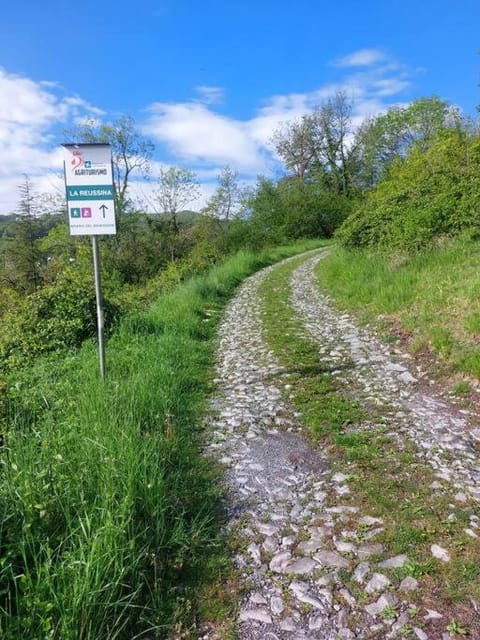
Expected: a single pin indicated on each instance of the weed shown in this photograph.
(389, 612)
(461, 388)
(456, 628)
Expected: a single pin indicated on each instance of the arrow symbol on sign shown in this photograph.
(103, 207)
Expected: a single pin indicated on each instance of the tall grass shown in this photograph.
(434, 295)
(109, 514)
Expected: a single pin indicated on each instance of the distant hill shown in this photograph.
(43, 224)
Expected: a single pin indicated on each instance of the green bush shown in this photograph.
(294, 209)
(432, 193)
(58, 316)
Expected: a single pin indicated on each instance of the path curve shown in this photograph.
(440, 431)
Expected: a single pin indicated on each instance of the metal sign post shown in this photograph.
(98, 296)
(91, 209)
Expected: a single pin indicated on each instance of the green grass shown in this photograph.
(324, 406)
(109, 515)
(434, 296)
(385, 481)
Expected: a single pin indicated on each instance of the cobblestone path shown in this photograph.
(300, 545)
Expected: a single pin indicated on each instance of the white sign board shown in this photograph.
(90, 192)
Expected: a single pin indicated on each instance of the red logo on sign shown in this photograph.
(77, 160)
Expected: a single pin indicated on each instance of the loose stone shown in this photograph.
(440, 553)
(394, 563)
(316, 623)
(361, 572)
(331, 559)
(376, 583)
(408, 584)
(257, 598)
(270, 544)
(287, 625)
(370, 521)
(367, 550)
(384, 601)
(432, 615)
(347, 596)
(267, 529)
(283, 497)
(260, 615)
(280, 562)
(276, 605)
(302, 566)
(299, 588)
(344, 547)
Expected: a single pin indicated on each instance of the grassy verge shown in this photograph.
(109, 515)
(386, 481)
(434, 297)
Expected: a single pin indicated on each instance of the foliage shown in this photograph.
(318, 143)
(226, 200)
(176, 188)
(293, 143)
(140, 249)
(381, 140)
(432, 193)
(21, 254)
(294, 209)
(58, 316)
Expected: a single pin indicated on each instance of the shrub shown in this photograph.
(58, 316)
(433, 192)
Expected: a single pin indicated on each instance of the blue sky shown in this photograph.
(209, 81)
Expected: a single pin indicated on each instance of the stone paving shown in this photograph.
(299, 547)
(440, 431)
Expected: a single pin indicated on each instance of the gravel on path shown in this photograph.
(298, 544)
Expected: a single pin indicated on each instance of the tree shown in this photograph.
(434, 192)
(226, 200)
(22, 255)
(332, 134)
(320, 143)
(176, 188)
(381, 140)
(131, 152)
(293, 142)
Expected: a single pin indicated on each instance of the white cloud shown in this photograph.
(210, 95)
(26, 103)
(142, 194)
(360, 58)
(197, 134)
(390, 86)
(29, 113)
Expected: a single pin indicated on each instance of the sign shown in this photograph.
(90, 192)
